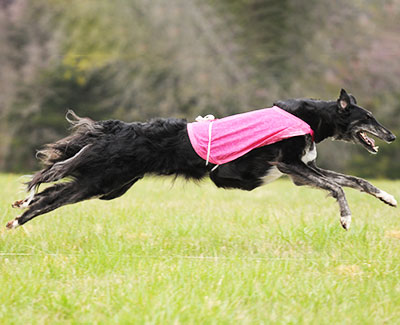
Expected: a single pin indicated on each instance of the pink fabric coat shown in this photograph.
(236, 135)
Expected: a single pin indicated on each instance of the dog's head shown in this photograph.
(354, 122)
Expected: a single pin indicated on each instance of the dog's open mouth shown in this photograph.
(367, 142)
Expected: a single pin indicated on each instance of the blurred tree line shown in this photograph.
(136, 59)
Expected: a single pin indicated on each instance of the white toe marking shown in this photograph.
(387, 198)
(346, 221)
(25, 204)
(29, 199)
(15, 224)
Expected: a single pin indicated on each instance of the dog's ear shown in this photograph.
(353, 99)
(344, 100)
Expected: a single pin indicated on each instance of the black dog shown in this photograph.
(104, 159)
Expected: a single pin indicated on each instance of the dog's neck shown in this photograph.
(319, 115)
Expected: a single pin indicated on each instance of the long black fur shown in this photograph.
(104, 159)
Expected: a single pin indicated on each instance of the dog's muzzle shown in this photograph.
(369, 143)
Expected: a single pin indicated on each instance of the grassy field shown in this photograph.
(186, 254)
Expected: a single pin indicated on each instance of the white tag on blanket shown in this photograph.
(205, 118)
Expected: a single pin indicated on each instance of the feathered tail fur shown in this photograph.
(61, 157)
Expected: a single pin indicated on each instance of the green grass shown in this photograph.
(191, 254)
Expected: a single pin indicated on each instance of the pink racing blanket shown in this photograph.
(222, 140)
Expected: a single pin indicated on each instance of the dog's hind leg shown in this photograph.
(358, 184)
(25, 202)
(48, 200)
(302, 174)
(34, 197)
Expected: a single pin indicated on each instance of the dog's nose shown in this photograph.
(391, 138)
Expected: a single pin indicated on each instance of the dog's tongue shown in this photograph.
(372, 141)
(368, 139)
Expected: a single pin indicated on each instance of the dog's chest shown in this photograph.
(272, 174)
(310, 154)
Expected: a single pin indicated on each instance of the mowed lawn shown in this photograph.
(180, 253)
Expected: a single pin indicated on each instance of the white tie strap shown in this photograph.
(208, 118)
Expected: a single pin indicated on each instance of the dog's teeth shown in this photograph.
(376, 148)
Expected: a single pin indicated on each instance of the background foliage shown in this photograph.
(135, 59)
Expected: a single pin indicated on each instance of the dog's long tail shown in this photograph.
(62, 157)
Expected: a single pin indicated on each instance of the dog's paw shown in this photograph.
(20, 204)
(12, 224)
(345, 221)
(387, 198)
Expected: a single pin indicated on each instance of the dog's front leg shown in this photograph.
(302, 174)
(358, 184)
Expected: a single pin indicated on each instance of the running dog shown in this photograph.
(104, 159)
